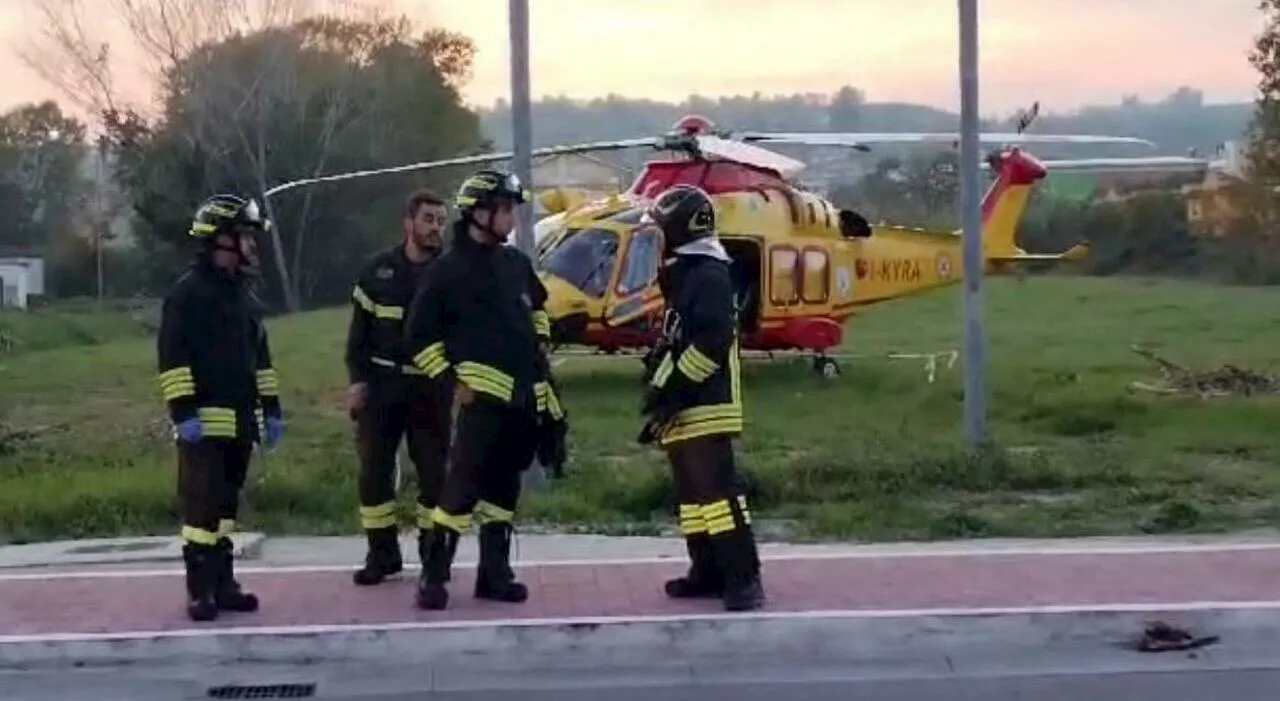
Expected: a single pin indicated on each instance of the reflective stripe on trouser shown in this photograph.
(409, 409)
(492, 445)
(211, 475)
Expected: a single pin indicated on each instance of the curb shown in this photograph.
(113, 551)
(917, 643)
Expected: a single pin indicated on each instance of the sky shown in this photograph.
(1062, 52)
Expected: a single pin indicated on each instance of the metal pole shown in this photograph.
(521, 116)
(975, 351)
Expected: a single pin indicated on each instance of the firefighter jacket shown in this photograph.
(214, 356)
(694, 386)
(375, 337)
(479, 318)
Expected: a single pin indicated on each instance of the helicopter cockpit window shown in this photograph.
(642, 261)
(584, 259)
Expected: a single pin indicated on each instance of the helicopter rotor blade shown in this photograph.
(740, 152)
(856, 139)
(476, 159)
(1169, 164)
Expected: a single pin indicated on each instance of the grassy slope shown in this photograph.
(871, 455)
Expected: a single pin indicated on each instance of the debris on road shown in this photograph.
(1162, 637)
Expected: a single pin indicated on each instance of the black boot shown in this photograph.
(438, 546)
(703, 580)
(227, 592)
(383, 557)
(495, 579)
(202, 572)
(739, 563)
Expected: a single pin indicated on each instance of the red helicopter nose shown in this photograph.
(693, 125)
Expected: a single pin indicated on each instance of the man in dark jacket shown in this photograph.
(389, 398)
(479, 320)
(693, 402)
(222, 393)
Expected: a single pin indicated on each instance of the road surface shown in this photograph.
(1174, 686)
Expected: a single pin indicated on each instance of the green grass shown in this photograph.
(875, 454)
(70, 323)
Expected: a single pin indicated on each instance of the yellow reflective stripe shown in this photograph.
(547, 400)
(382, 311)
(177, 383)
(218, 422)
(203, 228)
(358, 294)
(696, 365)
(488, 512)
(663, 373)
(704, 421)
(268, 382)
(226, 526)
(219, 210)
(199, 536)
(432, 359)
(424, 517)
(691, 522)
(718, 516)
(487, 380)
(454, 522)
(378, 516)
(541, 323)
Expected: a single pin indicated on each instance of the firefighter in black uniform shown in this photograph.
(693, 403)
(389, 398)
(222, 394)
(479, 319)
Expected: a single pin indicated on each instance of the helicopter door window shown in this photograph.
(641, 263)
(584, 259)
(783, 264)
(817, 276)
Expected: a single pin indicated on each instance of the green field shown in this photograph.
(874, 454)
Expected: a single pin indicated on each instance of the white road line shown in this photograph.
(843, 614)
(991, 552)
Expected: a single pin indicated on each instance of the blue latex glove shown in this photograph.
(189, 431)
(275, 430)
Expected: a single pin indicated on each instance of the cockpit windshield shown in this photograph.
(583, 258)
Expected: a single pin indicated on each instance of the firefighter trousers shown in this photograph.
(401, 408)
(714, 517)
(493, 445)
(211, 475)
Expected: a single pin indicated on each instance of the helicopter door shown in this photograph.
(636, 299)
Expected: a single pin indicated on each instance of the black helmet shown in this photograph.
(685, 214)
(224, 214)
(487, 188)
(239, 218)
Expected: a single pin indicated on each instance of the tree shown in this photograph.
(41, 152)
(322, 95)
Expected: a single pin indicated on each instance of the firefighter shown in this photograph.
(479, 319)
(693, 403)
(222, 393)
(389, 398)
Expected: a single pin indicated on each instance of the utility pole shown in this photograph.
(975, 341)
(102, 220)
(521, 117)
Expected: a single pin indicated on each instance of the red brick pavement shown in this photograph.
(153, 602)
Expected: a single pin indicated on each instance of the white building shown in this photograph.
(20, 279)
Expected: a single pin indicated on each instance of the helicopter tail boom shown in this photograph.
(1004, 205)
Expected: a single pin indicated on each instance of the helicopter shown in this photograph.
(802, 266)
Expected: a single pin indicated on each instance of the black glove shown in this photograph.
(553, 448)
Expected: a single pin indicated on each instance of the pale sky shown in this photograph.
(1061, 52)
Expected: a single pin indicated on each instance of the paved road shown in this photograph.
(1201, 686)
(1256, 685)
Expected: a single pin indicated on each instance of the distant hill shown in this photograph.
(1179, 122)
